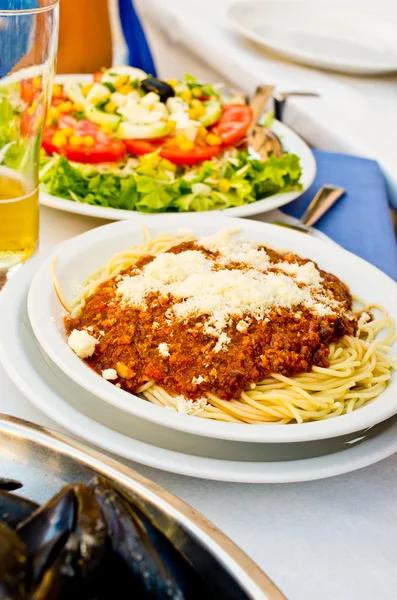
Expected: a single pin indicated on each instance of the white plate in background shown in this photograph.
(326, 35)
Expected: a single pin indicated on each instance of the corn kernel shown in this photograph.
(123, 371)
(184, 144)
(224, 185)
(87, 88)
(53, 113)
(125, 90)
(121, 81)
(172, 82)
(59, 139)
(89, 141)
(196, 92)
(110, 107)
(78, 107)
(197, 111)
(186, 95)
(76, 141)
(107, 128)
(171, 126)
(201, 134)
(37, 83)
(68, 131)
(65, 107)
(57, 91)
(213, 140)
(30, 111)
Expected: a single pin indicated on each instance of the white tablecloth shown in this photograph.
(333, 539)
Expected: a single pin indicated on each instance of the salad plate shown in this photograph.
(43, 384)
(142, 180)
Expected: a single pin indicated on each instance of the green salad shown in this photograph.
(191, 156)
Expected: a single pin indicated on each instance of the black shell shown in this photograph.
(135, 561)
(14, 509)
(163, 89)
(13, 565)
(66, 543)
(9, 485)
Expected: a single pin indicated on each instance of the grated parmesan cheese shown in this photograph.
(163, 349)
(223, 341)
(189, 407)
(198, 380)
(236, 250)
(82, 343)
(242, 326)
(202, 286)
(109, 374)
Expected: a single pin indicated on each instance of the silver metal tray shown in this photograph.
(44, 461)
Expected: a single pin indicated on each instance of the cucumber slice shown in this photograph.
(115, 72)
(134, 131)
(213, 111)
(102, 118)
(73, 91)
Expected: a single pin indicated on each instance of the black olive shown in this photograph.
(163, 89)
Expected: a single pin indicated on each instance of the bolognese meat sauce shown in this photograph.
(156, 338)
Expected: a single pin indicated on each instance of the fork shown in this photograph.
(321, 203)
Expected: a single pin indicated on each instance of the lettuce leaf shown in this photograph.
(155, 185)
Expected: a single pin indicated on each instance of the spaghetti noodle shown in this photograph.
(229, 311)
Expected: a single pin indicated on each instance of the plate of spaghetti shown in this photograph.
(229, 328)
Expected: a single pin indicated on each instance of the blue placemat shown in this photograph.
(360, 221)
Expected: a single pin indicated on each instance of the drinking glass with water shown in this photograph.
(28, 47)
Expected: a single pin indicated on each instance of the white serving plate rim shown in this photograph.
(289, 138)
(42, 297)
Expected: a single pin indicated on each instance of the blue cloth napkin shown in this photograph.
(360, 221)
(139, 54)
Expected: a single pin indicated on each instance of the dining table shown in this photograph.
(328, 539)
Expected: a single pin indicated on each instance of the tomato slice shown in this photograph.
(113, 151)
(28, 91)
(106, 149)
(140, 147)
(234, 123)
(198, 154)
(172, 152)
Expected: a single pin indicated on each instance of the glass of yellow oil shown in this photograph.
(28, 48)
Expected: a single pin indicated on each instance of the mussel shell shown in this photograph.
(133, 557)
(13, 565)
(189, 581)
(66, 541)
(9, 485)
(14, 509)
(163, 89)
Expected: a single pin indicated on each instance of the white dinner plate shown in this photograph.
(326, 35)
(290, 140)
(56, 396)
(80, 256)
